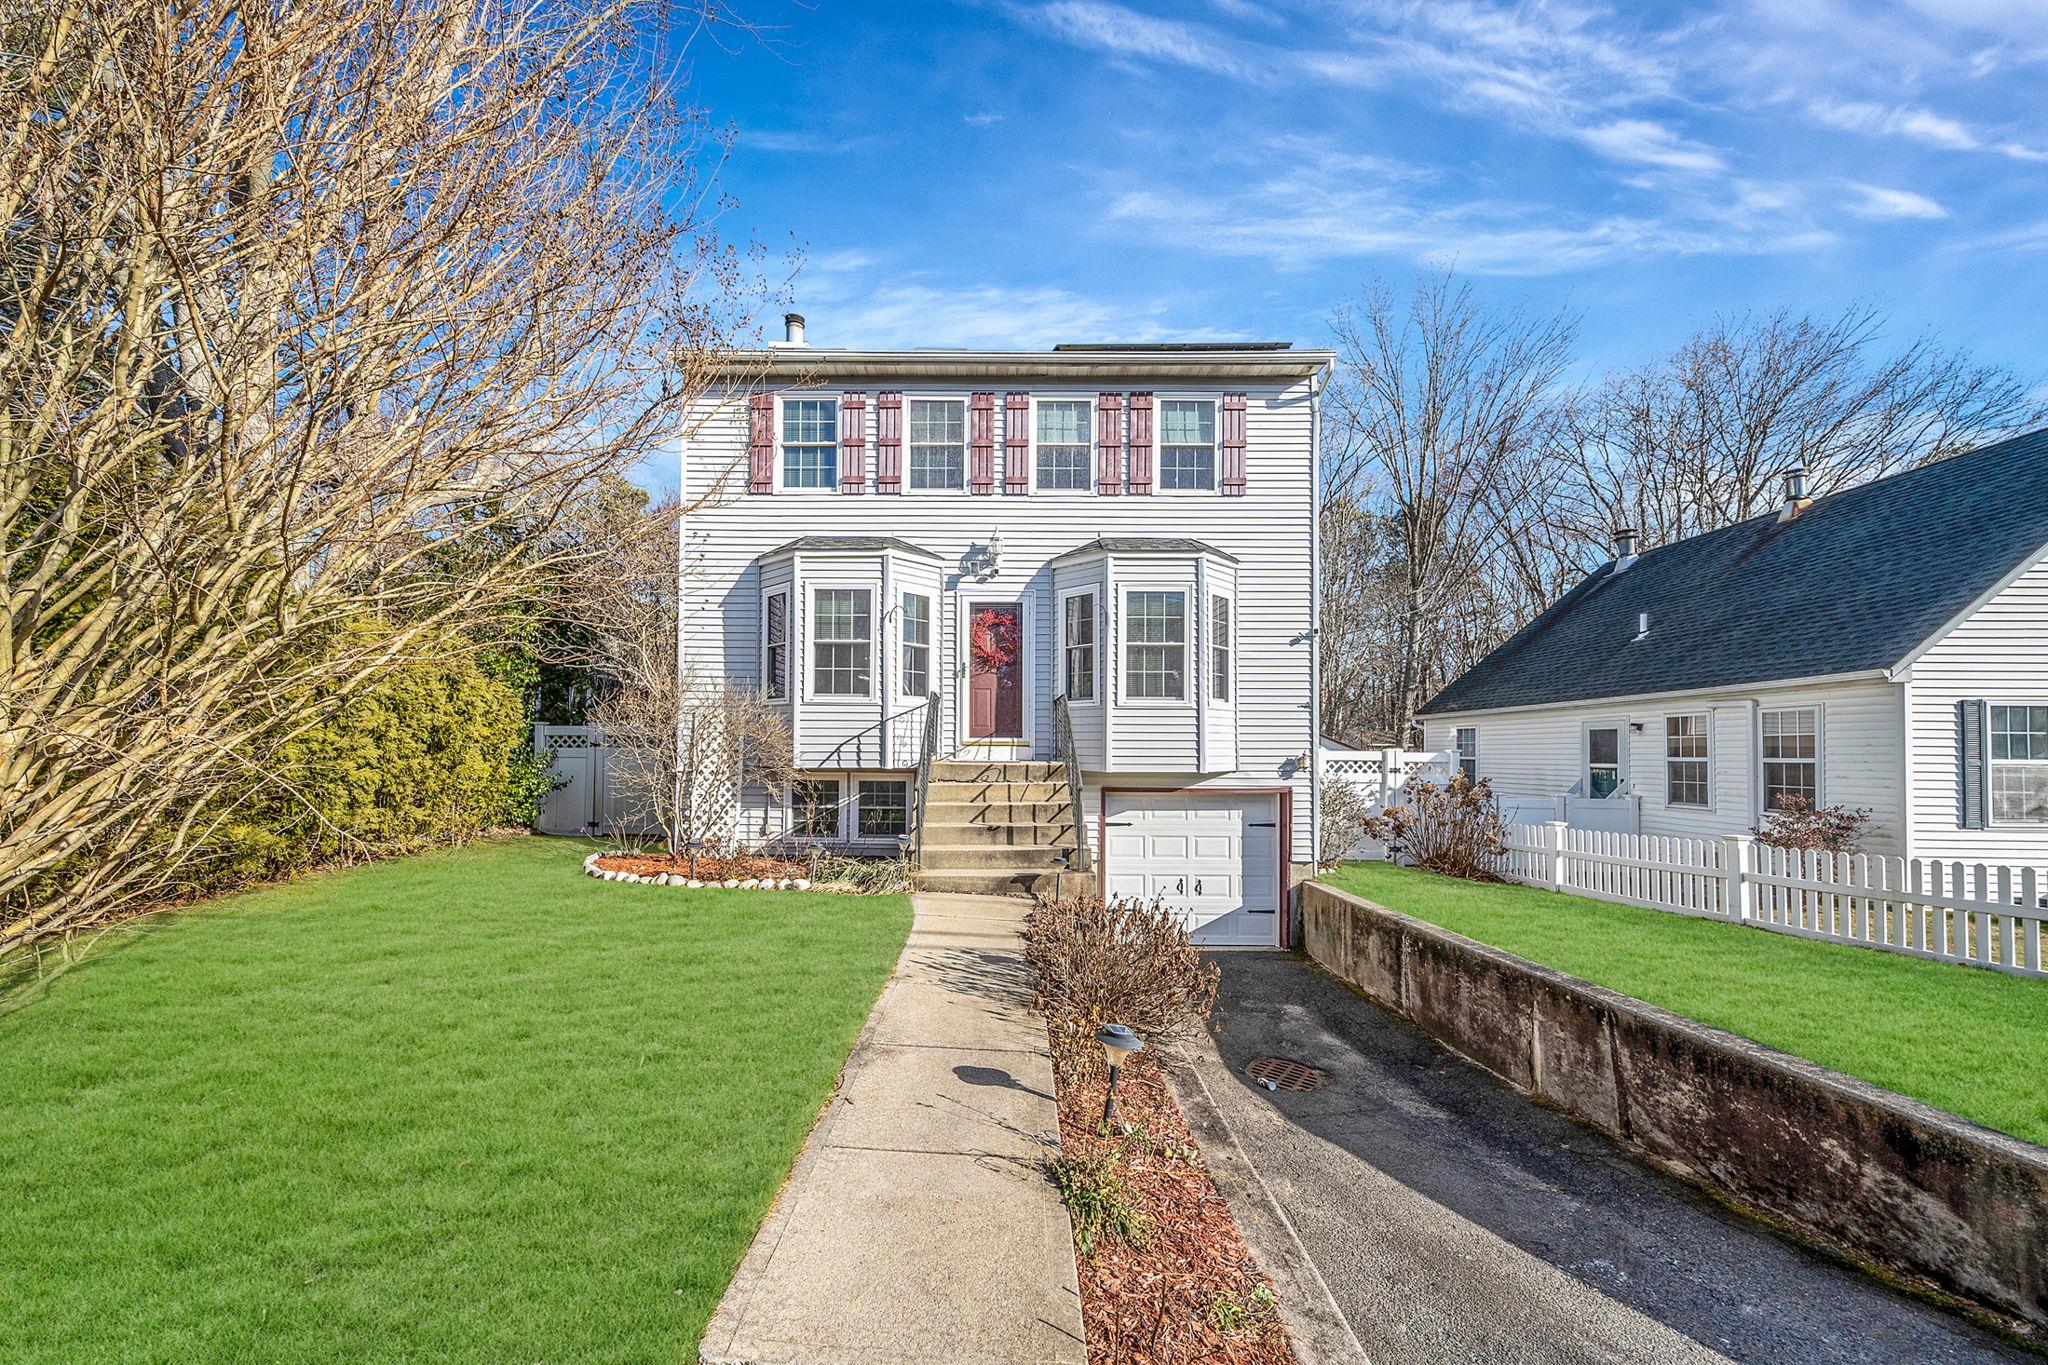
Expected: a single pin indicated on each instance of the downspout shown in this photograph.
(1315, 632)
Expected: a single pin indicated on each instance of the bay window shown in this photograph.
(917, 645)
(1220, 628)
(1156, 645)
(842, 652)
(1079, 646)
(775, 647)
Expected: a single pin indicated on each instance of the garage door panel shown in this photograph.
(1210, 857)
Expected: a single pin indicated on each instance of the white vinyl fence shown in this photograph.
(1981, 915)
(1380, 777)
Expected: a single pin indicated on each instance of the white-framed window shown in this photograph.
(1789, 741)
(814, 808)
(1603, 760)
(1155, 645)
(842, 642)
(1465, 751)
(1187, 444)
(2019, 764)
(1078, 645)
(1065, 445)
(810, 443)
(938, 443)
(1221, 634)
(775, 646)
(917, 645)
(1685, 761)
(883, 808)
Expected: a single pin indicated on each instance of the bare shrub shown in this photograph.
(861, 876)
(1342, 810)
(1798, 823)
(1125, 962)
(1454, 829)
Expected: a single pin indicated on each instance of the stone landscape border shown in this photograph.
(1885, 1180)
(591, 869)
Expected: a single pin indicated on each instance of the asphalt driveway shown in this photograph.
(1451, 1219)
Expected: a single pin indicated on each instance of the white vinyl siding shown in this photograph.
(1065, 449)
(810, 443)
(938, 443)
(1156, 646)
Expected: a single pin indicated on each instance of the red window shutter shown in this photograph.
(761, 443)
(1230, 437)
(853, 442)
(889, 441)
(1016, 443)
(981, 444)
(1109, 444)
(1141, 443)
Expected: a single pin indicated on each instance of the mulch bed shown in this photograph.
(710, 867)
(1192, 1292)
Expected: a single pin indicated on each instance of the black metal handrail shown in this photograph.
(1068, 757)
(926, 750)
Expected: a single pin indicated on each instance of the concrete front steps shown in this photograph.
(996, 828)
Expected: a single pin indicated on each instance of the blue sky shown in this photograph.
(1030, 171)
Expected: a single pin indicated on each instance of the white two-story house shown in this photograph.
(1029, 612)
(1884, 648)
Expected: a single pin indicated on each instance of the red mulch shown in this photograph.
(710, 867)
(1156, 1304)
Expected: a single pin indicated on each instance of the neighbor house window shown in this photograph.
(1603, 761)
(2019, 764)
(938, 443)
(1791, 754)
(810, 443)
(917, 645)
(1465, 751)
(1063, 445)
(814, 809)
(1219, 648)
(775, 647)
(1187, 443)
(1685, 760)
(884, 809)
(842, 662)
(1080, 646)
(1156, 645)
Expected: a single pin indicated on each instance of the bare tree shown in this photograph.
(318, 318)
(1435, 399)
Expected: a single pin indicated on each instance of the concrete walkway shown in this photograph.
(1448, 1218)
(920, 1224)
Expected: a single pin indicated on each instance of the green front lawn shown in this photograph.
(470, 1106)
(1968, 1040)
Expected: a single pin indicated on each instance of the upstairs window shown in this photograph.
(1220, 627)
(1685, 760)
(810, 443)
(917, 645)
(1080, 647)
(842, 652)
(1156, 646)
(1790, 740)
(1187, 444)
(2019, 764)
(1465, 752)
(775, 647)
(1064, 449)
(938, 443)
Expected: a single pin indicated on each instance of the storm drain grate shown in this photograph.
(1278, 1073)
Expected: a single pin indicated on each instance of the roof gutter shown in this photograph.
(793, 366)
(1884, 675)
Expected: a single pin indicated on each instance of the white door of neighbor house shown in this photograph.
(1213, 857)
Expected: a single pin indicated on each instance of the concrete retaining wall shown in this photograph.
(1885, 1179)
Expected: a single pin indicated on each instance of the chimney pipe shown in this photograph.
(1796, 498)
(1625, 544)
(793, 329)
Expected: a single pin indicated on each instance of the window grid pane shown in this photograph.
(917, 639)
(938, 443)
(814, 810)
(1080, 651)
(777, 665)
(1219, 612)
(1466, 743)
(2019, 764)
(1790, 740)
(1063, 445)
(840, 652)
(810, 443)
(884, 809)
(1155, 661)
(1685, 760)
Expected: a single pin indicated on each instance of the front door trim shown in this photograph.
(964, 600)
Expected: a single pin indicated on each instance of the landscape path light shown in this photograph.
(693, 847)
(1118, 1044)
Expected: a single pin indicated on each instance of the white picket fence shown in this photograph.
(1984, 916)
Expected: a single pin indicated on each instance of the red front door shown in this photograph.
(995, 670)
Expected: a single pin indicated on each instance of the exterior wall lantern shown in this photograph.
(983, 561)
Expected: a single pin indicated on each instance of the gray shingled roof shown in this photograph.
(1856, 582)
(1147, 545)
(852, 543)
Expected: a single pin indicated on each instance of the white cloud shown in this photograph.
(1877, 201)
(982, 119)
(1919, 125)
(1650, 144)
(800, 142)
(1130, 36)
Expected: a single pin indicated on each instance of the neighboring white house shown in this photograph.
(1885, 648)
(1130, 529)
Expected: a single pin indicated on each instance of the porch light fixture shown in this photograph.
(982, 561)
(1118, 1043)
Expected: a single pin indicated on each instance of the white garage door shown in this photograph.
(1215, 858)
